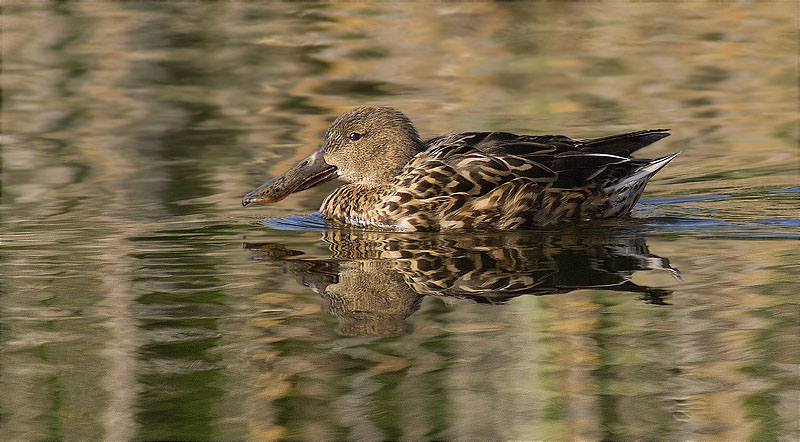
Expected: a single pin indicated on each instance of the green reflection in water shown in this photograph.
(187, 410)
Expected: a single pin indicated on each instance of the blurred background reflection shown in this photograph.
(131, 310)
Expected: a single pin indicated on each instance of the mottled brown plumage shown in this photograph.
(472, 180)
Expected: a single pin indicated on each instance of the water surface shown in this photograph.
(141, 301)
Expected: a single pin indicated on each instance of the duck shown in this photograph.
(468, 180)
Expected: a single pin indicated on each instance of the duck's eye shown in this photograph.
(354, 136)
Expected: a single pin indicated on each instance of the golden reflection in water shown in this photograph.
(586, 364)
(597, 360)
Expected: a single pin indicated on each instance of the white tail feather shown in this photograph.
(645, 172)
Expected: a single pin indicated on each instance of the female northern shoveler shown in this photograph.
(471, 180)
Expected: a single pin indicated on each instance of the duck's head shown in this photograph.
(367, 145)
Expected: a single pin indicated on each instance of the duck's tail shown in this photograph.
(623, 144)
(645, 172)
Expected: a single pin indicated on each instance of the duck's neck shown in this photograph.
(355, 204)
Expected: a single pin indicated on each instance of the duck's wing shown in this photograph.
(504, 143)
(476, 162)
(623, 144)
(470, 163)
(610, 154)
(500, 143)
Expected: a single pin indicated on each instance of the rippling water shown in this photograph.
(141, 301)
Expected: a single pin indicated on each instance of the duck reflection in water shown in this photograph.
(373, 281)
